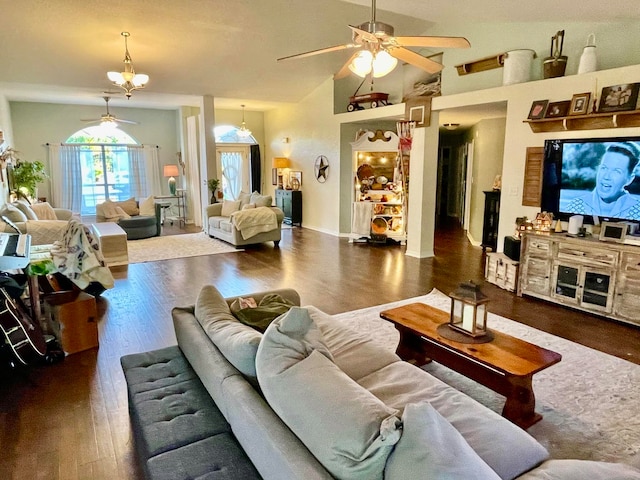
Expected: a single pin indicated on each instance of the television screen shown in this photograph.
(592, 177)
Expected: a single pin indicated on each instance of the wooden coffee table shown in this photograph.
(506, 364)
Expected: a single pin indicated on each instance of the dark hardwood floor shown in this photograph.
(70, 420)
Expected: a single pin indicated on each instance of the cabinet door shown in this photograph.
(627, 299)
(597, 289)
(536, 276)
(566, 283)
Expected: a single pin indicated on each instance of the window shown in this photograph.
(105, 166)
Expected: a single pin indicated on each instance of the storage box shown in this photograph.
(512, 247)
(74, 323)
(502, 271)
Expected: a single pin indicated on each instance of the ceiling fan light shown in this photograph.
(361, 64)
(383, 64)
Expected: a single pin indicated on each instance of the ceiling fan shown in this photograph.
(378, 50)
(108, 118)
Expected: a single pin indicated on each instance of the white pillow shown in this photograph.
(13, 213)
(348, 429)
(44, 211)
(229, 206)
(148, 206)
(25, 208)
(430, 447)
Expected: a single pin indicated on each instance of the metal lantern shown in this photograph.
(469, 310)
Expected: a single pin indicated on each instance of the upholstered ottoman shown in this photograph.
(179, 431)
(139, 226)
(113, 243)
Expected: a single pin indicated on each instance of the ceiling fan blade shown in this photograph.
(344, 71)
(87, 120)
(319, 51)
(438, 42)
(119, 120)
(416, 60)
(369, 37)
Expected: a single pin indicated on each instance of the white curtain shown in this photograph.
(138, 183)
(231, 174)
(193, 172)
(66, 177)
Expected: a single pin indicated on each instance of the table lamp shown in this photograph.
(171, 171)
(278, 164)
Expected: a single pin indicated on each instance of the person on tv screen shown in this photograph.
(610, 197)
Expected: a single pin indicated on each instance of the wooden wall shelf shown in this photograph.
(593, 121)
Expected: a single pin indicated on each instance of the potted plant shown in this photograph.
(25, 177)
(213, 184)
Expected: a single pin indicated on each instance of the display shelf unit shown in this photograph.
(583, 273)
(379, 188)
(592, 121)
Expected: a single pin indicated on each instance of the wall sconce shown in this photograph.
(277, 165)
(469, 310)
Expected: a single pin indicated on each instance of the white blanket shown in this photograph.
(254, 221)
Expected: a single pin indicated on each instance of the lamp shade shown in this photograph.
(280, 162)
(170, 171)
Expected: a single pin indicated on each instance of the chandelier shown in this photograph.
(128, 80)
(243, 131)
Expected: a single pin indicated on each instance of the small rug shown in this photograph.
(176, 246)
(589, 401)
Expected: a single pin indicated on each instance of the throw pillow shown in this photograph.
(349, 430)
(229, 206)
(148, 206)
(244, 198)
(260, 316)
(248, 206)
(44, 211)
(112, 211)
(261, 200)
(130, 206)
(12, 213)
(430, 447)
(25, 208)
(236, 341)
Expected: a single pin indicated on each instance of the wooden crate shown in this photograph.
(75, 323)
(502, 271)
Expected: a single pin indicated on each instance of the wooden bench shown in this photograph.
(113, 243)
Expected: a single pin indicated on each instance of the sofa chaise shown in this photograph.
(247, 221)
(311, 399)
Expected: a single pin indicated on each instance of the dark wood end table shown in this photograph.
(506, 364)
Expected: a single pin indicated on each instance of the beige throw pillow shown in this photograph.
(129, 206)
(229, 206)
(25, 208)
(261, 200)
(44, 211)
(13, 213)
(148, 206)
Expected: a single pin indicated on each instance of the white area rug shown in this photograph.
(176, 246)
(590, 401)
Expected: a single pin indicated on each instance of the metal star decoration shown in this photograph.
(322, 168)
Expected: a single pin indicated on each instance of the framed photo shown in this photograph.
(558, 109)
(274, 176)
(295, 179)
(580, 104)
(619, 97)
(538, 109)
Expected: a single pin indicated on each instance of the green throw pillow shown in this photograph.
(270, 307)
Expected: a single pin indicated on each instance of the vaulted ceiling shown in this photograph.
(60, 50)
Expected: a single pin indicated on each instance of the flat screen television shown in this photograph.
(591, 177)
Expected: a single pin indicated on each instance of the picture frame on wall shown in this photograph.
(580, 104)
(538, 109)
(558, 109)
(274, 176)
(617, 98)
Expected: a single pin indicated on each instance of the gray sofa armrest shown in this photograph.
(279, 215)
(214, 210)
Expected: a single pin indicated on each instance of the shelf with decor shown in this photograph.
(593, 121)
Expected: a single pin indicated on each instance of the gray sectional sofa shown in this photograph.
(311, 399)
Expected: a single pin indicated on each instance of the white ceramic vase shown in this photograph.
(589, 59)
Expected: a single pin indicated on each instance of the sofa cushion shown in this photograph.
(350, 431)
(248, 206)
(236, 341)
(28, 211)
(214, 222)
(261, 200)
(44, 211)
(230, 206)
(130, 206)
(13, 213)
(580, 470)
(226, 226)
(148, 206)
(490, 435)
(431, 448)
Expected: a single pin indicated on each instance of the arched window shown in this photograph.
(233, 160)
(98, 163)
(229, 134)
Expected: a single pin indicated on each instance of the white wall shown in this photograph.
(36, 124)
